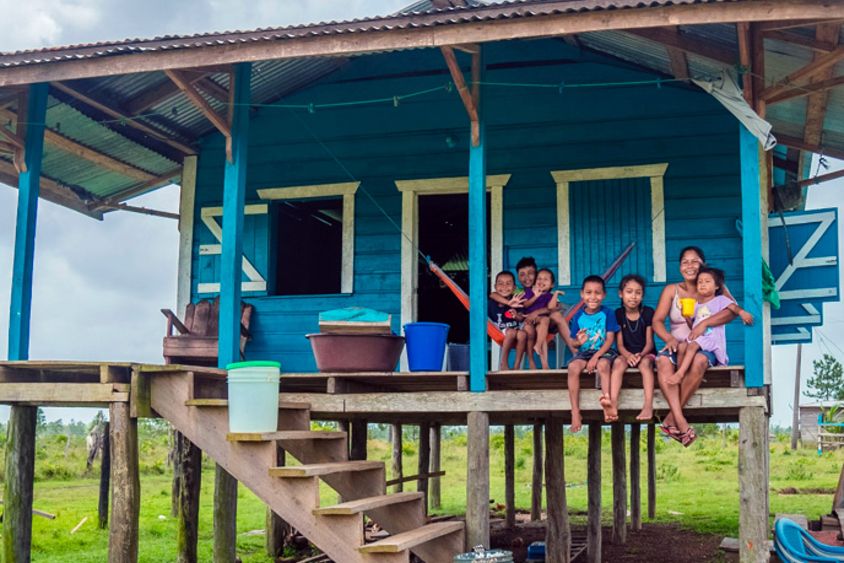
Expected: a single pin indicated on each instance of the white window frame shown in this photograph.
(209, 216)
(345, 189)
(655, 172)
(411, 190)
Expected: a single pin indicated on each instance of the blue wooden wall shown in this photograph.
(530, 131)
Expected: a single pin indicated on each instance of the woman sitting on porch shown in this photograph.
(670, 307)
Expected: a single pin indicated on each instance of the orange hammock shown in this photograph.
(491, 329)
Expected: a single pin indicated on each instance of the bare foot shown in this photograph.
(606, 405)
(613, 412)
(576, 422)
(538, 349)
(645, 415)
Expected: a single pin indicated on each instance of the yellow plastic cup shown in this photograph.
(687, 307)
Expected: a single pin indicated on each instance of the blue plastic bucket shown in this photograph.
(425, 345)
(253, 396)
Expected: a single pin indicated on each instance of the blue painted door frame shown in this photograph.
(751, 217)
(28, 189)
(234, 195)
(477, 256)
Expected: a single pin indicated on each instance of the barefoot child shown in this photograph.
(526, 272)
(507, 318)
(590, 337)
(704, 339)
(547, 310)
(635, 343)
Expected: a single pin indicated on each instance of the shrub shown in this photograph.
(667, 472)
(798, 471)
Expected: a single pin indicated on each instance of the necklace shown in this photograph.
(635, 328)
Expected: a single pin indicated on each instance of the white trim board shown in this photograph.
(187, 206)
(345, 189)
(209, 215)
(563, 178)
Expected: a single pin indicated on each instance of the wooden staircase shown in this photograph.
(293, 491)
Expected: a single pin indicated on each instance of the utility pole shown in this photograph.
(795, 417)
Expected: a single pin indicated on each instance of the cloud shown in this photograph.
(47, 21)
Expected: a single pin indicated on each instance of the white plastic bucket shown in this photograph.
(253, 396)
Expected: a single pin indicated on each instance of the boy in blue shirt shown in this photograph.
(591, 336)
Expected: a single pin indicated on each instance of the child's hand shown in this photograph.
(633, 360)
(592, 364)
(581, 337)
(674, 379)
(697, 332)
(517, 301)
(746, 317)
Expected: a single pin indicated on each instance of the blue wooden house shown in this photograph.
(321, 164)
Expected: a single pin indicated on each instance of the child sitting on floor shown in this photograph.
(526, 272)
(704, 339)
(547, 311)
(506, 318)
(590, 338)
(635, 343)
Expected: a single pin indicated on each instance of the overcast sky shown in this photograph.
(99, 286)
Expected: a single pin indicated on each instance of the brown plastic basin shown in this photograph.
(356, 352)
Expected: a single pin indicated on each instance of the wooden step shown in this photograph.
(366, 504)
(321, 469)
(412, 538)
(284, 435)
(225, 403)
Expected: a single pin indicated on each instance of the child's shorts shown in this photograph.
(587, 355)
(713, 360)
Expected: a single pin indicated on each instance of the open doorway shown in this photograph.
(444, 236)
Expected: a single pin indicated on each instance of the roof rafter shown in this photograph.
(144, 187)
(816, 106)
(766, 27)
(166, 89)
(802, 40)
(185, 85)
(50, 190)
(673, 38)
(469, 97)
(818, 65)
(801, 91)
(798, 143)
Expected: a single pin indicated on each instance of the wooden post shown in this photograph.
(795, 409)
(125, 486)
(397, 471)
(651, 471)
(436, 463)
(225, 514)
(278, 530)
(359, 436)
(536, 482)
(105, 481)
(477, 247)
(619, 485)
(187, 518)
(751, 217)
(424, 461)
(557, 532)
(509, 475)
(20, 445)
(635, 491)
(753, 485)
(231, 273)
(477, 480)
(593, 525)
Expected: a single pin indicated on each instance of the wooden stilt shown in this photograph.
(436, 463)
(593, 525)
(190, 479)
(176, 484)
(397, 471)
(509, 475)
(619, 485)
(125, 486)
(278, 530)
(536, 482)
(635, 491)
(20, 473)
(477, 480)
(359, 437)
(225, 516)
(651, 471)
(105, 479)
(753, 485)
(424, 461)
(557, 532)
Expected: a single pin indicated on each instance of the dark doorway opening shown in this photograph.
(309, 242)
(444, 236)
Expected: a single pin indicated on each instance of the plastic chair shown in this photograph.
(793, 544)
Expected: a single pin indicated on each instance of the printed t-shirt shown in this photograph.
(501, 315)
(596, 325)
(541, 302)
(714, 338)
(634, 333)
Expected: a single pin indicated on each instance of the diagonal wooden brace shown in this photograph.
(222, 124)
(470, 98)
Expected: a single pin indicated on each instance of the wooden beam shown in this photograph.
(423, 462)
(817, 103)
(51, 191)
(635, 481)
(797, 143)
(225, 516)
(436, 465)
(560, 22)
(753, 484)
(557, 530)
(818, 65)
(116, 113)
(396, 466)
(672, 37)
(509, 476)
(185, 85)
(146, 186)
(462, 89)
(477, 480)
(139, 210)
(801, 91)
(19, 479)
(745, 48)
(105, 479)
(802, 40)
(161, 92)
(757, 67)
(536, 481)
(125, 486)
(679, 63)
(12, 138)
(820, 179)
(651, 470)
(593, 484)
(357, 450)
(794, 23)
(619, 485)
(7, 147)
(189, 464)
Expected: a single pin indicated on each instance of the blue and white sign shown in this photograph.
(804, 262)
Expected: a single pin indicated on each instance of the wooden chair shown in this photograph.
(197, 340)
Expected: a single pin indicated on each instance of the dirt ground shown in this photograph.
(655, 543)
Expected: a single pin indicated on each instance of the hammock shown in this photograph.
(491, 329)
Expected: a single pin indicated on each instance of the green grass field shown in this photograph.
(697, 488)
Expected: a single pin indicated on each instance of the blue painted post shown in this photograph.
(478, 289)
(20, 444)
(234, 195)
(751, 217)
(231, 275)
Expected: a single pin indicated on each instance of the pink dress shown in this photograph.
(679, 325)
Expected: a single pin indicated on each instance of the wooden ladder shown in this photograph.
(293, 491)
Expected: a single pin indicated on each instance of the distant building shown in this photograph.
(809, 413)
